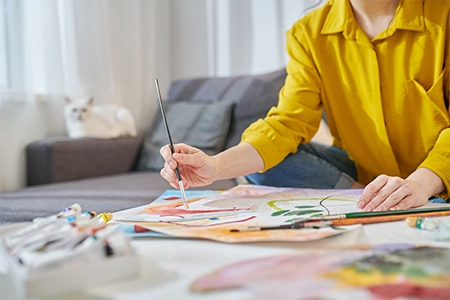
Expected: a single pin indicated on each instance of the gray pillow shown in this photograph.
(254, 95)
(200, 124)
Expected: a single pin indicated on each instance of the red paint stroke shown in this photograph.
(173, 210)
(140, 229)
(407, 290)
(172, 198)
(209, 225)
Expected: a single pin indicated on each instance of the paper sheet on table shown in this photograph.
(212, 215)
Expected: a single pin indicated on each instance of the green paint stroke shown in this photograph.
(275, 207)
(302, 212)
(416, 272)
(317, 215)
(337, 228)
(292, 220)
(279, 213)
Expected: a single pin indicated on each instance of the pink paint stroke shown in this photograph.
(209, 225)
(178, 212)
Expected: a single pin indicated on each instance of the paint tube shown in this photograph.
(440, 226)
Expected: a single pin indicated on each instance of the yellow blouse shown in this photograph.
(384, 98)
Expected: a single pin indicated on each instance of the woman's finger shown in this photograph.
(394, 198)
(371, 190)
(384, 193)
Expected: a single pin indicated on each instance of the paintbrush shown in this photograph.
(172, 149)
(296, 225)
(352, 219)
(364, 214)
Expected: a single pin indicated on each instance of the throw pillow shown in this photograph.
(200, 124)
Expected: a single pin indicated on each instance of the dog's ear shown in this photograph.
(67, 100)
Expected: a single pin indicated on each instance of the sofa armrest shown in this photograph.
(59, 159)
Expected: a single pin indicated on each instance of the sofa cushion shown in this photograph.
(254, 95)
(101, 194)
(56, 159)
(200, 124)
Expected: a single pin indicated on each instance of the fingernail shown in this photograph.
(177, 156)
(360, 204)
(392, 208)
(367, 208)
(172, 164)
(377, 209)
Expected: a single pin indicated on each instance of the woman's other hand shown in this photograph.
(395, 193)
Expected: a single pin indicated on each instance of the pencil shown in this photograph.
(172, 149)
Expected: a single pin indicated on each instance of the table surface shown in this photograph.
(169, 266)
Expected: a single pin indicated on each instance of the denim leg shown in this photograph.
(313, 166)
(437, 200)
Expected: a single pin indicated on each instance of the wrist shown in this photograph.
(217, 166)
(429, 181)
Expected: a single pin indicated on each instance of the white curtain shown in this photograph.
(103, 49)
(110, 50)
(113, 49)
(248, 37)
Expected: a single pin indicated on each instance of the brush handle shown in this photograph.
(169, 136)
(395, 212)
(387, 218)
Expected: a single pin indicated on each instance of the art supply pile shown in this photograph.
(65, 246)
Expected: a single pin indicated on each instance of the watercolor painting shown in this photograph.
(213, 215)
(390, 271)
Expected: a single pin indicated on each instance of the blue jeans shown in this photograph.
(313, 166)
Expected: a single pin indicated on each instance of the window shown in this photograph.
(4, 78)
(11, 48)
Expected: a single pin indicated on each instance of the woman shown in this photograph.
(380, 69)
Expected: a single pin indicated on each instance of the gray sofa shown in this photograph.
(102, 175)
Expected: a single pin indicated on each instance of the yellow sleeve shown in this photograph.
(297, 116)
(438, 160)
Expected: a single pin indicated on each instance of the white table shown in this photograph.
(169, 266)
